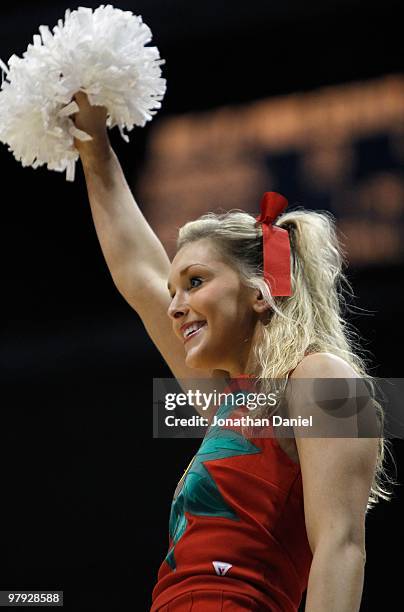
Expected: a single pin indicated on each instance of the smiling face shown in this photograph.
(206, 290)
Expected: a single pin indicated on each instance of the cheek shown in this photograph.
(205, 302)
(222, 308)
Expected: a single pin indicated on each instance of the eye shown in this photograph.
(195, 278)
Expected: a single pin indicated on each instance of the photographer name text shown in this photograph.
(244, 421)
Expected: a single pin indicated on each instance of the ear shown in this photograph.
(258, 302)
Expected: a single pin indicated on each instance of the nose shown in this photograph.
(177, 309)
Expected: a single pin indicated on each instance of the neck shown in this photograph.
(226, 374)
(220, 374)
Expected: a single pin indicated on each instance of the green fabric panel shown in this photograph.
(200, 495)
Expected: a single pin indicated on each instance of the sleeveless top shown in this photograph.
(237, 521)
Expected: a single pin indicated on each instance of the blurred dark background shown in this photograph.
(86, 489)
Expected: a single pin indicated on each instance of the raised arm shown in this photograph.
(130, 247)
(137, 261)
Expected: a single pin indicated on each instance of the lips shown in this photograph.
(195, 321)
(195, 332)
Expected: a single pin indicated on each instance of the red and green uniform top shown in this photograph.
(237, 521)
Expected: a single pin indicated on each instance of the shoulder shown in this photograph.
(323, 365)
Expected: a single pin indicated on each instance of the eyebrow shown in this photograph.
(182, 272)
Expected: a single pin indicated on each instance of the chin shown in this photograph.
(195, 363)
(198, 362)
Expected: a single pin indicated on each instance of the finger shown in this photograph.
(81, 99)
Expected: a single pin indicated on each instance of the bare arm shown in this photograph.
(130, 247)
(137, 261)
(337, 474)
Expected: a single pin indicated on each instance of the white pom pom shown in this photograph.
(101, 53)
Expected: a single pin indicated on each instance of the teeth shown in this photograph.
(193, 328)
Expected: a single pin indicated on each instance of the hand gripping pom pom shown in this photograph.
(101, 53)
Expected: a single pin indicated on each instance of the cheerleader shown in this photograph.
(255, 521)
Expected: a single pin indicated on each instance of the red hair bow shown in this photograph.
(276, 244)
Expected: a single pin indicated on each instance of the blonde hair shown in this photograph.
(309, 321)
